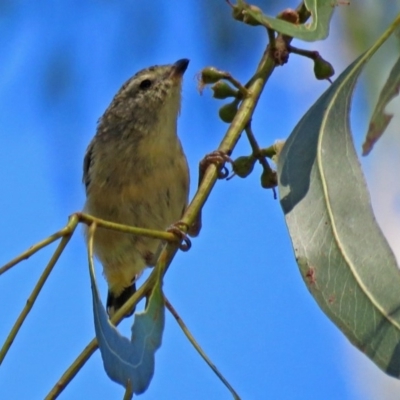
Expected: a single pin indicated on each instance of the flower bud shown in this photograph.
(322, 68)
(269, 179)
(222, 90)
(210, 75)
(243, 166)
(228, 111)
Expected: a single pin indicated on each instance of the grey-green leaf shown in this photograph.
(318, 29)
(342, 254)
(130, 360)
(380, 120)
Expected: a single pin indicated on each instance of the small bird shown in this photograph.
(135, 173)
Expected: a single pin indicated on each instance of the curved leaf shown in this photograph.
(342, 254)
(130, 360)
(318, 29)
(380, 120)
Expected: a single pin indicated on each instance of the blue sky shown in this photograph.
(238, 289)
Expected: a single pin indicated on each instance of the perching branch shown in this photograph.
(68, 231)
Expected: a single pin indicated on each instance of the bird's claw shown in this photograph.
(219, 158)
(184, 242)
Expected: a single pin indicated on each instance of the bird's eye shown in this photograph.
(145, 84)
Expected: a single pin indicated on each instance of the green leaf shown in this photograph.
(342, 254)
(318, 29)
(130, 360)
(380, 120)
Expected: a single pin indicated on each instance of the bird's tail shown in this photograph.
(114, 303)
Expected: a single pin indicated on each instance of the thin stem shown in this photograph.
(129, 391)
(268, 151)
(89, 219)
(35, 248)
(198, 348)
(152, 233)
(268, 177)
(271, 37)
(312, 54)
(38, 287)
(256, 148)
(242, 89)
(73, 369)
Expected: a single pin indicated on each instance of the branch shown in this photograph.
(70, 228)
(152, 233)
(35, 248)
(88, 220)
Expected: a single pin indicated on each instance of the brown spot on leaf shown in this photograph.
(310, 276)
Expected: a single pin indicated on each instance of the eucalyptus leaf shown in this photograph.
(342, 254)
(380, 119)
(130, 360)
(318, 29)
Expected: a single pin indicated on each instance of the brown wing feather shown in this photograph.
(87, 162)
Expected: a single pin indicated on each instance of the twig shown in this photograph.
(89, 219)
(271, 37)
(72, 370)
(268, 151)
(73, 222)
(312, 54)
(152, 233)
(242, 89)
(192, 340)
(256, 149)
(35, 248)
(129, 391)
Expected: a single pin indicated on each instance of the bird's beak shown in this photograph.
(179, 68)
